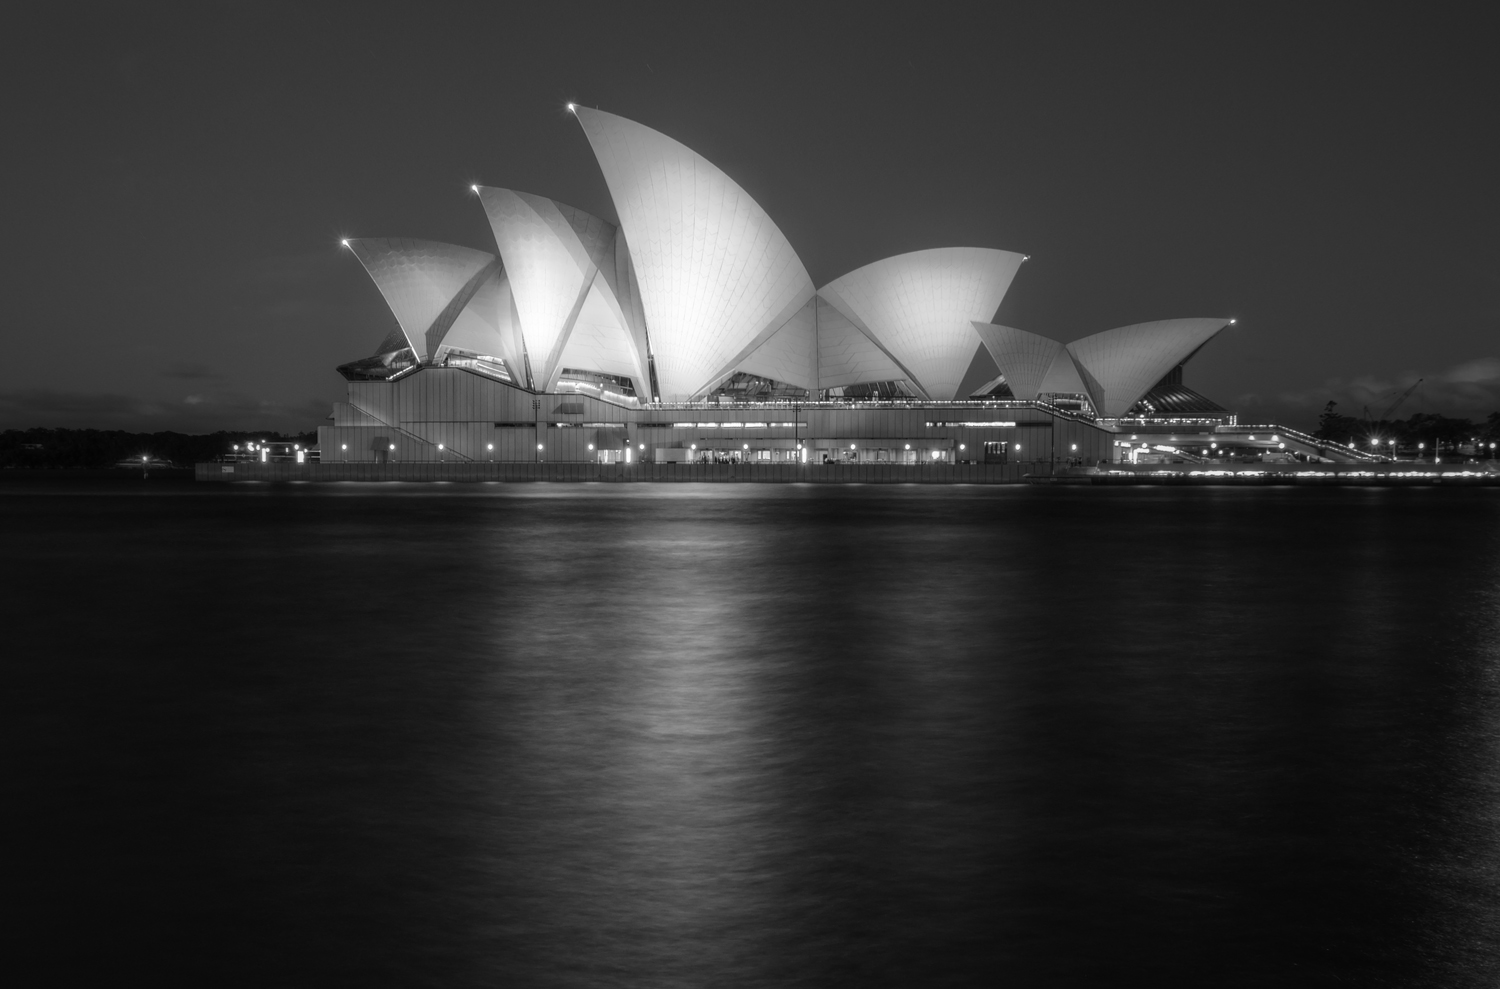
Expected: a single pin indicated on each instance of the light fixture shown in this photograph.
(474, 187)
(345, 242)
(440, 446)
(393, 446)
(489, 446)
(539, 446)
(572, 107)
(591, 446)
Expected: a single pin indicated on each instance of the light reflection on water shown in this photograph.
(594, 735)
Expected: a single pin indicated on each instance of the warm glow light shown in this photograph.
(591, 446)
(474, 187)
(345, 242)
(440, 446)
(572, 107)
(393, 446)
(1233, 321)
(539, 446)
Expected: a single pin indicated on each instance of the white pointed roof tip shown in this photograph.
(921, 308)
(1122, 364)
(690, 224)
(562, 264)
(419, 279)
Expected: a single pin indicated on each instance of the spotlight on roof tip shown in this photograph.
(572, 107)
(1233, 321)
(345, 242)
(474, 188)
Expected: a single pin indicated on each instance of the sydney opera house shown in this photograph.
(691, 331)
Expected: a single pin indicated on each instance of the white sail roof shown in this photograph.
(1024, 358)
(426, 283)
(1121, 365)
(846, 355)
(487, 326)
(717, 277)
(921, 307)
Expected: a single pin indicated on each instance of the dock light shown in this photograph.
(1374, 441)
(1252, 437)
(747, 446)
(489, 446)
(693, 447)
(440, 446)
(851, 446)
(393, 446)
(1073, 447)
(1282, 445)
(234, 446)
(591, 446)
(1274, 437)
(908, 446)
(1233, 321)
(1018, 448)
(145, 457)
(936, 454)
(962, 447)
(539, 446)
(343, 446)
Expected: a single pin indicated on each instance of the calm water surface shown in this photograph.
(557, 735)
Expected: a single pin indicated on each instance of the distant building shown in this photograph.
(693, 331)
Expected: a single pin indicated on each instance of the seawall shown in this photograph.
(875, 473)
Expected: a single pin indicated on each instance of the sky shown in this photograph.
(178, 179)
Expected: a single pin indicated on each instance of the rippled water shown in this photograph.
(555, 735)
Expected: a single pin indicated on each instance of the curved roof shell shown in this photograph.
(1120, 365)
(562, 267)
(920, 308)
(427, 284)
(1024, 358)
(717, 276)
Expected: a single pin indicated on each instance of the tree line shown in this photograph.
(55, 448)
(1433, 430)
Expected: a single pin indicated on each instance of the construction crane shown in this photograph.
(1391, 409)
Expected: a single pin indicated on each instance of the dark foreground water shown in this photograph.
(750, 736)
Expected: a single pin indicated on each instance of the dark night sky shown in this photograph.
(177, 183)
